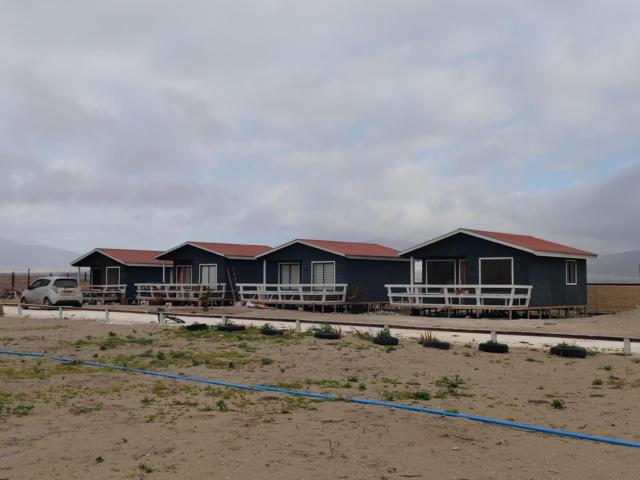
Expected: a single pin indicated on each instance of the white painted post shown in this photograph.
(60, 314)
(106, 315)
(161, 317)
(19, 314)
(627, 346)
(298, 327)
(412, 271)
(264, 272)
(494, 337)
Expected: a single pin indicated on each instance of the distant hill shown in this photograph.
(18, 257)
(615, 268)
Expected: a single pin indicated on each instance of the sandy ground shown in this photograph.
(75, 422)
(513, 340)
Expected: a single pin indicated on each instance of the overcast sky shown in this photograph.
(143, 124)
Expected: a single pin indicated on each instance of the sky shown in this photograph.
(145, 124)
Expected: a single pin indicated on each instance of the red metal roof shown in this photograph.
(131, 257)
(532, 243)
(232, 249)
(352, 249)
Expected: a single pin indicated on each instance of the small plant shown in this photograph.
(362, 387)
(22, 410)
(384, 337)
(99, 460)
(268, 329)
(388, 396)
(327, 331)
(113, 334)
(608, 368)
(597, 381)
(266, 361)
(222, 406)
(143, 467)
(427, 337)
(557, 404)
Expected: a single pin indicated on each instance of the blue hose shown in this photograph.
(327, 396)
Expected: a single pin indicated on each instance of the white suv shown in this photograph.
(53, 291)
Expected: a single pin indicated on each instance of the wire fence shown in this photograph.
(13, 283)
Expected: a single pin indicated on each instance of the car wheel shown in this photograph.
(46, 301)
(24, 303)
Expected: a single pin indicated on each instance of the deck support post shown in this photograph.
(298, 327)
(627, 346)
(106, 315)
(60, 314)
(19, 314)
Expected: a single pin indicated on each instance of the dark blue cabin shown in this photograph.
(557, 274)
(110, 267)
(354, 272)
(211, 264)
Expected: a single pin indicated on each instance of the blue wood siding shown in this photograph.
(247, 271)
(128, 275)
(545, 274)
(368, 276)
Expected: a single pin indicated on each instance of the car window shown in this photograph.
(45, 282)
(36, 284)
(66, 283)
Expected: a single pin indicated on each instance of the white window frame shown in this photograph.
(185, 266)
(452, 260)
(566, 271)
(495, 258)
(313, 280)
(106, 275)
(200, 272)
(299, 272)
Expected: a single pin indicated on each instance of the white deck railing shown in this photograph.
(293, 293)
(460, 295)
(185, 292)
(105, 292)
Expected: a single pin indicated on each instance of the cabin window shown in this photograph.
(323, 273)
(441, 272)
(572, 272)
(183, 274)
(113, 276)
(209, 274)
(417, 271)
(289, 273)
(496, 271)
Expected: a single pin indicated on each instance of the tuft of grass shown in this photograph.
(557, 404)
(266, 361)
(143, 467)
(99, 459)
(222, 406)
(597, 381)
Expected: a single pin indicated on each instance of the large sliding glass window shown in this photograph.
(496, 271)
(183, 274)
(209, 275)
(323, 272)
(289, 273)
(441, 272)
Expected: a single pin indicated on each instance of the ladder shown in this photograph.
(231, 275)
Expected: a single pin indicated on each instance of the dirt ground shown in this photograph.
(624, 324)
(76, 422)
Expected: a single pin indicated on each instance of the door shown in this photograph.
(97, 276)
(113, 276)
(38, 290)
